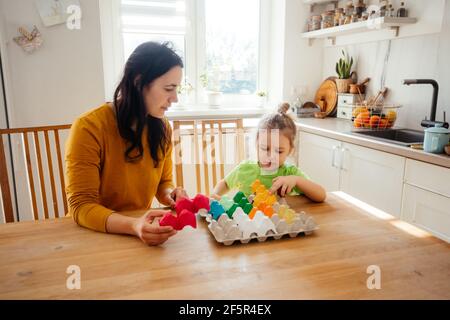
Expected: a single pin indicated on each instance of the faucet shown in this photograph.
(432, 122)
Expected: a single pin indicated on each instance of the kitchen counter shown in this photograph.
(340, 129)
(331, 263)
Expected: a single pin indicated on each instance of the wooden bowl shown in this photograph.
(320, 115)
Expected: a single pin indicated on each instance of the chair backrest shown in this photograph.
(213, 135)
(35, 156)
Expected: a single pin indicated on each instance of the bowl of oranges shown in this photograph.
(380, 117)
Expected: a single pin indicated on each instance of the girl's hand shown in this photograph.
(284, 183)
(216, 197)
(151, 233)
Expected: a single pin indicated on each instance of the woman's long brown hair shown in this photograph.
(148, 61)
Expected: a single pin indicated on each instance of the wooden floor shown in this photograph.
(330, 264)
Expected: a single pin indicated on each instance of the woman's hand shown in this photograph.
(178, 193)
(151, 233)
(284, 183)
(173, 196)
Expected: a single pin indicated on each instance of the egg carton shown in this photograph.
(227, 231)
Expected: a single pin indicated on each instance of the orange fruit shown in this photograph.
(358, 110)
(374, 121)
(362, 119)
(383, 123)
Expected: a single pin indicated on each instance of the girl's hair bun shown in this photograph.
(283, 107)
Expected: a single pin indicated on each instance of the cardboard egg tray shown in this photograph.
(226, 230)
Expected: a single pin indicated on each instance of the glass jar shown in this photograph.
(314, 23)
(348, 19)
(360, 8)
(349, 8)
(327, 19)
(338, 13)
(365, 16)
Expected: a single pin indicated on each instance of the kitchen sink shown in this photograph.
(405, 137)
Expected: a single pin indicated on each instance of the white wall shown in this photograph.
(302, 63)
(424, 56)
(293, 63)
(52, 86)
(64, 77)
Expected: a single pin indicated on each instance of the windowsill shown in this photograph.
(204, 112)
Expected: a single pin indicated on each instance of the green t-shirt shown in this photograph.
(248, 171)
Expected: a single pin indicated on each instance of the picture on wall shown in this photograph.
(54, 12)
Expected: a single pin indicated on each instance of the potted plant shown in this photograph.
(344, 72)
(262, 96)
(184, 93)
(211, 83)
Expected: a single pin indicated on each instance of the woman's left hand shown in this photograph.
(284, 183)
(175, 195)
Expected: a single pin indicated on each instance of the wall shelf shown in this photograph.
(376, 24)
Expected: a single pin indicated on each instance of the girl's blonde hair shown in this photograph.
(280, 120)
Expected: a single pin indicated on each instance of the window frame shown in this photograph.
(195, 51)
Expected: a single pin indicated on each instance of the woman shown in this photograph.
(119, 156)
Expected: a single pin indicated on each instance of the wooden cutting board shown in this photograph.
(326, 97)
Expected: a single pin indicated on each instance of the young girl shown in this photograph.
(275, 142)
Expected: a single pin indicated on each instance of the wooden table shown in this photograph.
(330, 264)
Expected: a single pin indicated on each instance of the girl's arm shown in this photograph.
(220, 189)
(312, 190)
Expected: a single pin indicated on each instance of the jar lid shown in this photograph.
(438, 128)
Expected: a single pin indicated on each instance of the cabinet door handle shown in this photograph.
(341, 165)
(333, 158)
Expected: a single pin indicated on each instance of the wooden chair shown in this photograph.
(36, 154)
(210, 130)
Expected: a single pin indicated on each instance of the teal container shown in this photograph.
(436, 138)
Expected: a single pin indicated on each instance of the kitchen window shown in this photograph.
(216, 38)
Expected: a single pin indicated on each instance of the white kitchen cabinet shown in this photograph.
(372, 176)
(427, 210)
(414, 191)
(428, 176)
(318, 158)
(426, 197)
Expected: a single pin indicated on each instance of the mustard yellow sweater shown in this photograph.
(99, 180)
